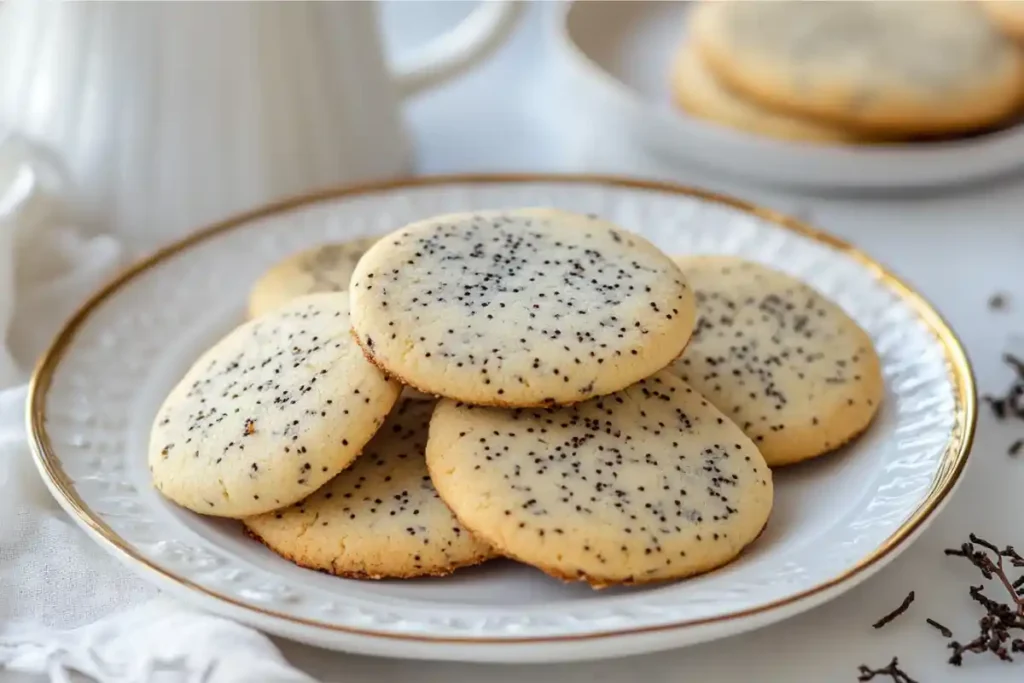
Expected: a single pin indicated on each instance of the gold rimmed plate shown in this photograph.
(836, 521)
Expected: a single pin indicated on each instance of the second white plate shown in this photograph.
(618, 53)
(836, 521)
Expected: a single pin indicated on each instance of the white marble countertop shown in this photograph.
(957, 246)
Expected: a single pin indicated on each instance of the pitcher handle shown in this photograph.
(459, 49)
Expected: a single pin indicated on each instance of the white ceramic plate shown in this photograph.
(836, 521)
(618, 55)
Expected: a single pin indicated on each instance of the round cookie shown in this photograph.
(1008, 16)
(381, 518)
(696, 90)
(647, 484)
(880, 66)
(270, 413)
(325, 268)
(519, 308)
(787, 365)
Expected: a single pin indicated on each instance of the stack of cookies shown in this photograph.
(533, 384)
(853, 71)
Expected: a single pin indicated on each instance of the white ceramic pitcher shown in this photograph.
(170, 115)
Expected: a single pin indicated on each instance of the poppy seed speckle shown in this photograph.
(643, 485)
(785, 363)
(519, 308)
(381, 517)
(246, 430)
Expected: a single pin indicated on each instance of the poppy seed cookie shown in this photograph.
(379, 518)
(787, 365)
(696, 90)
(519, 308)
(895, 68)
(270, 413)
(648, 484)
(325, 268)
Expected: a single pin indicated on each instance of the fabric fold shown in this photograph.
(124, 634)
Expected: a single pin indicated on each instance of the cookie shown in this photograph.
(381, 518)
(519, 308)
(326, 268)
(894, 68)
(1008, 15)
(270, 413)
(647, 484)
(796, 373)
(696, 90)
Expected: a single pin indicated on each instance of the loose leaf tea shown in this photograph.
(904, 606)
(946, 633)
(1002, 627)
(1010, 404)
(892, 670)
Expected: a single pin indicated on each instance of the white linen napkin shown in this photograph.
(65, 605)
(157, 641)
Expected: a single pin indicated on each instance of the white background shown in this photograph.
(956, 245)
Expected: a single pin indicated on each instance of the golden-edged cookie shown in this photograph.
(894, 68)
(325, 268)
(790, 367)
(270, 413)
(519, 308)
(696, 90)
(379, 518)
(648, 484)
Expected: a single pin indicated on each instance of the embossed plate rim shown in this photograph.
(950, 468)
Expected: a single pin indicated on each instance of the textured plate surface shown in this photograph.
(836, 521)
